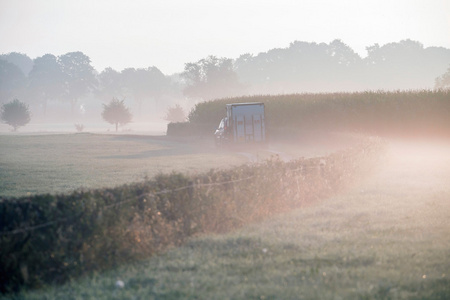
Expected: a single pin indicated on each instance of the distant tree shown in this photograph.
(403, 65)
(301, 67)
(116, 113)
(46, 80)
(22, 61)
(78, 75)
(342, 54)
(175, 114)
(110, 85)
(144, 84)
(443, 82)
(12, 80)
(15, 114)
(211, 78)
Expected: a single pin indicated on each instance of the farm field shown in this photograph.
(387, 238)
(61, 163)
(57, 163)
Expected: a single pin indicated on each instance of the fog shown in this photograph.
(67, 89)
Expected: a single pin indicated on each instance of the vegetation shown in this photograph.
(413, 113)
(302, 67)
(78, 76)
(175, 114)
(116, 113)
(50, 238)
(15, 113)
(443, 82)
(62, 163)
(212, 78)
(384, 239)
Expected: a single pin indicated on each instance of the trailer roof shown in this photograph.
(245, 103)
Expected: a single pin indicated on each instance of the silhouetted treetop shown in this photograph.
(12, 81)
(24, 62)
(46, 80)
(211, 78)
(78, 74)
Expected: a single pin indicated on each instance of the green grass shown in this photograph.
(36, 164)
(386, 238)
(61, 163)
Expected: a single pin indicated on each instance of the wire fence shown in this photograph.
(321, 163)
(66, 236)
(106, 207)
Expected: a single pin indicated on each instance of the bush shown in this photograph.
(175, 114)
(190, 129)
(15, 113)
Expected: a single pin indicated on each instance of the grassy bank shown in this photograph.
(388, 238)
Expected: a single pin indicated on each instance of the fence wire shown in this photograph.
(321, 164)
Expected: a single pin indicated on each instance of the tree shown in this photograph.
(211, 78)
(143, 84)
(46, 80)
(116, 113)
(12, 80)
(110, 84)
(22, 61)
(15, 113)
(403, 65)
(443, 82)
(175, 114)
(78, 75)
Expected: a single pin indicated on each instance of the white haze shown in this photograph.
(169, 33)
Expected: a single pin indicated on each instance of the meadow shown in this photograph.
(50, 238)
(388, 237)
(346, 222)
(60, 163)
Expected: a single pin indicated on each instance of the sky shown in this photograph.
(168, 34)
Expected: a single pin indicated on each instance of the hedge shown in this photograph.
(48, 239)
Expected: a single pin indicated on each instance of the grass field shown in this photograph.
(387, 238)
(60, 163)
(65, 162)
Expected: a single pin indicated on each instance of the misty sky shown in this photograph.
(169, 33)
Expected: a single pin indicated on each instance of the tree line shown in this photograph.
(70, 77)
(301, 67)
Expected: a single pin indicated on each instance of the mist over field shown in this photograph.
(112, 184)
(65, 90)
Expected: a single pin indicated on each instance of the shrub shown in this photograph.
(15, 113)
(175, 114)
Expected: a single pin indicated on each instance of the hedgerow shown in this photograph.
(47, 239)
